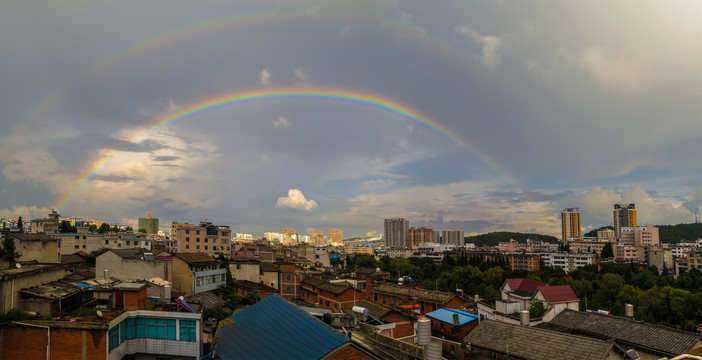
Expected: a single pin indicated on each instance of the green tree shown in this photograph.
(66, 227)
(225, 263)
(251, 298)
(536, 309)
(90, 259)
(129, 228)
(607, 251)
(142, 230)
(104, 228)
(20, 224)
(8, 252)
(93, 228)
(219, 313)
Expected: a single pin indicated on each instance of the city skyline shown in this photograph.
(490, 116)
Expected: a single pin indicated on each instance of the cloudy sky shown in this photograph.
(546, 105)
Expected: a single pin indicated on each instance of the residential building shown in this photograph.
(403, 319)
(625, 252)
(694, 260)
(245, 288)
(85, 241)
(49, 224)
(149, 224)
(452, 324)
(428, 300)
(204, 238)
(133, 264)
(416, 237)
(588, 246)
(528, 262)
(493, 339)
(399, 252)
(567, 261)
(196, 272)
(624, 215)
(455, 237)
(570, 225)
(288, 231)
(305, 337)
(649, 341)
(656, 256)
(396, 232)
(606, 235)
(289, 280)
(38, 247)
(336, 236)
(26, 276)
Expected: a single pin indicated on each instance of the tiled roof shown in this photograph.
(266, 266)
(449, 316)
(526, 286)
(313, 282)
(196, 258)
(557, 293)
(334, 288)
(661, 339)
(207, 299)
(535, 344)
(276, 329)
(431, 296)
(378, 310)
(252, 286)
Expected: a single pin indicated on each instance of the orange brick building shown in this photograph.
(428, 300)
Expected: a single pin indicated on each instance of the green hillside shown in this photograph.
(494, 238)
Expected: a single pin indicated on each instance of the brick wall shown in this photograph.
(349, 353)
(66, 344)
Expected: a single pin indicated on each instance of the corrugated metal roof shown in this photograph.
(276, 329)
(447, 315)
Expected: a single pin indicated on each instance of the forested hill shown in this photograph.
(494, 238)
(671, 233)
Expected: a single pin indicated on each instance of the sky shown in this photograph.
(473, 115)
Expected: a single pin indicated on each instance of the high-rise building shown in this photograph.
(570, 225)
(396, 231)
(455, 237)
(149, 224)
(419, 236)
(317, 237)
(624, 216)
(336, 236)
(288, 231)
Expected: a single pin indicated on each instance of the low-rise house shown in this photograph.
(402, 319)
(197, 272)
(518, 294)
(337, 296)
(24, 277)
(452, 324)
(648, 340)
(133, 264)
(245, 288)
(493, 339)
(249, 335)
(41, 248)
(428, 300)
(85, 241)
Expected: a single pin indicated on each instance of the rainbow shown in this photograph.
(333, 94)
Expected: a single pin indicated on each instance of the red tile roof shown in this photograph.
(557, 293)
(526, 285)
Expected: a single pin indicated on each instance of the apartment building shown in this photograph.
(203, 238)
(85, 241)
(566, 261)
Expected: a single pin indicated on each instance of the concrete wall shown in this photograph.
(246, 271)
(9, 288)
(68, 344)
(183, 279)
(41, 251)
(127, 269)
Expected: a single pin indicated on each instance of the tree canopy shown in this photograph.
(494, 238)
(8, 251)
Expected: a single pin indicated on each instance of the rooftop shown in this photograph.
(558, 293)
(432, 296)
(378, 310)
(196, 258)
(250, 336)
(523, 287)
(131, 253)
(533, 343)
(453, 316)
(664, 340)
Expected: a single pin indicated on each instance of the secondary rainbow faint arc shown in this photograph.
(353, 96)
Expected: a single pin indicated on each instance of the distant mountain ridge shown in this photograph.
(494, 238)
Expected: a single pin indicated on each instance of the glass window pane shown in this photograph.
(171, 333)
(151, 331)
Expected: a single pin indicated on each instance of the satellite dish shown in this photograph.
(99, 313)
(18, 265)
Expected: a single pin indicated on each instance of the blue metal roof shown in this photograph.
(446, 315)
(276, 329)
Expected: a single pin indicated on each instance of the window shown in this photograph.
(287, 288)
(205, 239)
(187, 330)
(197, 232)
(200, 280)
(287, 277)
(205, 247)
(238, 266)
(214, 247)
(77, 237)
(107, 242)
(83, 246)
(198, 247)
(222, 279)
(114, 337)
(127, 242)
(187, 239)
(187, 246)
(77, 246)
(197, 239)
(187, 231)
(83, 237)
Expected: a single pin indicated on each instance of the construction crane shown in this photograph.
(148, 214)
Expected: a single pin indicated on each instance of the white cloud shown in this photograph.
(26, 212)
(266, 76)
(492, 44)
(378, 183)
(302, 74)
(296, 200)
(282, 121)
(623, 73)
